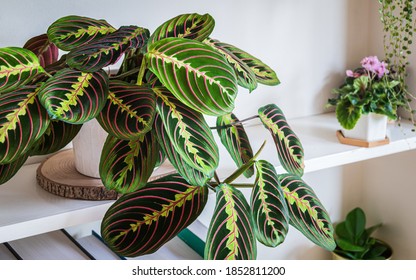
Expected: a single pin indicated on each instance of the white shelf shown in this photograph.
(321, 146)
(27, 210)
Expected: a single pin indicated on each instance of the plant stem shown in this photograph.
(140, 76)
(217, 178)
(125, 74)
(244, 167)
(235, 123)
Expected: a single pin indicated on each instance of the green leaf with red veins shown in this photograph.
(231, 231)
(307, 214)
(23, 121)
(18, 67)
(195, 73)
(190, 26)
(73, 96)
(141, 222)
(107, 50)
(235, 140)
(188, 132)
(268, 206)
(126, 165)
(129, 111)
(289, 148)
(73, 31)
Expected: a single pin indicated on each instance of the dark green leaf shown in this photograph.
(188, 132)
(245, 76)
(107, 50)
(355, 223)
(18, 67)
(141, 222)
(268, 206)
(22, 123)
(129, 111)
(236, 141)
(346, 245)
(307, 214)
(198, 75)
(230, 234)
(249, 69)
(190, 26)
(73, 96)
(288, 145)
(191, 175)
(125, 166)
(70, 32)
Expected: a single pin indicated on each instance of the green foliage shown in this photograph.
(354, 241)
(399, 26)
(366, 91)
(154, 108)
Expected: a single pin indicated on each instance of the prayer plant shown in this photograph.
(154, 108)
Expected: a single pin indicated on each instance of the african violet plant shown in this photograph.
(154, 108)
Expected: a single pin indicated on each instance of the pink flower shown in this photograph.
(350, 73)
(382, 69)
(372, 64)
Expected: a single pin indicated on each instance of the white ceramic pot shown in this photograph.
(370, 128)
(87, 146)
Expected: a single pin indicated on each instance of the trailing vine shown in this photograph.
(399, 27)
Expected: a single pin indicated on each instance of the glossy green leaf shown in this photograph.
(18, 67)
(44, 49)
(188, 132)
(22, 123)
(107, 50)
(348, 114)
(141, 222)
(129, 111)
(246, 65)
(190, 26)
(307, 214)
(235, 140)
(288, 145)
(245, 76)
(268, 206)
(8, 170)
(191, 175)
(230, 233)
(198, 75)
(125, 166)
(73, 96)
(57, 136)
(72, 31)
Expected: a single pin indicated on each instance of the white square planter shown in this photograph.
(370, 128)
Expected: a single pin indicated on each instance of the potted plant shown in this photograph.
(153, 109)
(355, 241)
(367, 98)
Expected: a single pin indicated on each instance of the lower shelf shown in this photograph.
(59, 245)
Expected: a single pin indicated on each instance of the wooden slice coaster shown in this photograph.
(58, 175)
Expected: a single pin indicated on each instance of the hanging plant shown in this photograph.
(399, 26)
